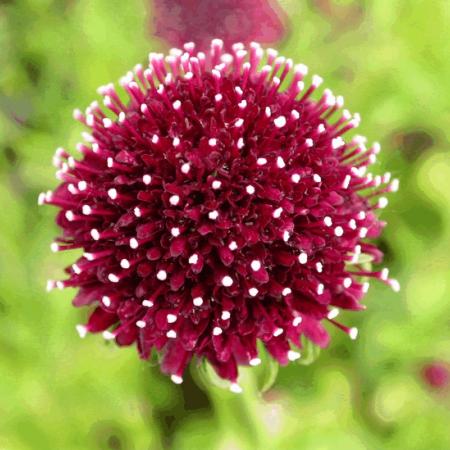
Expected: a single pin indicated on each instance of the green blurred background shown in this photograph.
(391, 61)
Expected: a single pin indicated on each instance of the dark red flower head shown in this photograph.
(177, 21)
(218, 206)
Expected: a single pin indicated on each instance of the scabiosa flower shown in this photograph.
(219, 206)
(177, 21)
(436, 374)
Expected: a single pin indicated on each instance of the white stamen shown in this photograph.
(212, 142)
(193, 259)
(81, 330)
(240, 143)
(112, 193)
(363, 232)
(171, 318)
(319, 267)
(227, 281)
(147, 179)
(338, 231)
(176, 141)
(176, 379)
(301, 69)
(171, 334)
(217, 331)
(333, 313)
(277, 213)
(347, 282)
(174, 200)
(395, 285)
(297, 321)
(286, 235)
(198, 301)
(393, 187)
(309, 142)
(302, 258)
(328, 221)
(185, 168)
(107, 335)
(253, 292)
(54, 247)
(140, 324)
(95, 234)
(225, 315)
(280, 162)
(176, 105)
(216, 184)
(41, 199)
(278, 332)
(161, 275)
(365, 287)
(382, 202)
(267, 112)
(261, 161)
(134, 244)
(213, 215)
(346, 181)
(125, 264)
(255, 362)
(337, 142)
(155, 139)
(107, 123)
(255, 265)
(86, 210)
(384, 274)
(321, 128)
(106, 301)
(82, 185)
(239, 123)
(280, 122)
(218, 97)
(295, 177)
(320, 288)
(286, 291)
(353, 333)
(232, 245)
(250, 189)
(242, 104)
(175, 231)
(113, 278)
(292, 355)
(317, 81)
(235, 388)
(137, 211)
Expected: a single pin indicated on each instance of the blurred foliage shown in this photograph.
(391, 61)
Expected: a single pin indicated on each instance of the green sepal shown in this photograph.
(310, 352)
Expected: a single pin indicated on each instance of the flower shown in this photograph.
(219, 206)
(177, 21)
(436, 374)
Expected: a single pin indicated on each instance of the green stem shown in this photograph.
(238, 414)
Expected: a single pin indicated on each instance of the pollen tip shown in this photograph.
(235, 388)
(176, 379)
(81, 330)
